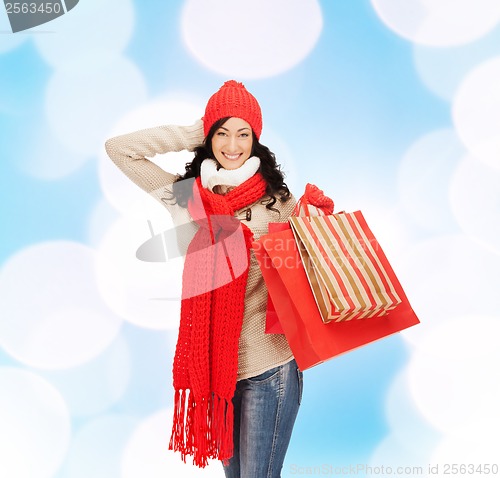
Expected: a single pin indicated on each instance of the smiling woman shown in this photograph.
(232, 143)
(237, 389)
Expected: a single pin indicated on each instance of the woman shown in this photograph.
(237, 389)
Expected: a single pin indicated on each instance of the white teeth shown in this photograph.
(231, 156)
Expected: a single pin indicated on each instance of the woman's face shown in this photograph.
(232, 143)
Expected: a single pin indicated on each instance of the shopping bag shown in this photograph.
(310, 339)
(312, 203)
(346, 268)
(273, 325)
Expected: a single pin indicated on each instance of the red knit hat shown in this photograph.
(233, 99)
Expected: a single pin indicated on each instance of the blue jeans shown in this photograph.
(265, 408)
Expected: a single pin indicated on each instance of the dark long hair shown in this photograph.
(269, 168)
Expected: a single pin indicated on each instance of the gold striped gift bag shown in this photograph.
(348, 272)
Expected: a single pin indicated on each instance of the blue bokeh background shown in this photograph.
(344, 118)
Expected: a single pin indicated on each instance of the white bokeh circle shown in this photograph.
(475, 201)
(446, 277)
(469, 444)
(476, 112)
(147, 454)
(118, 189)
(424, 176)
(91, 25)
(36, 426)
(439, 23)
(254, 39)
(52, 314)
(443, 69)
(406, 429)
(96, 385)
(100, 218)
(146, 294)
(47, 158)
(405, 421)
(84, 97)
(392, 458)
(452, 374)
(97, 447)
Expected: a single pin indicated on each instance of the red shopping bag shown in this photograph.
(311, 340)
(273, 325)
(312, 203)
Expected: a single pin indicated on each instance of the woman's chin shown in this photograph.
(231, 164)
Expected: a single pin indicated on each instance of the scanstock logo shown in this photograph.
(26, 15)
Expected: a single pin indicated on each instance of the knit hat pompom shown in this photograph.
(233, 99)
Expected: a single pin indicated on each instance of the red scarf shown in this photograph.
(213, 300)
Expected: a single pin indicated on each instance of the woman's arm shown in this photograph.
(128, 152)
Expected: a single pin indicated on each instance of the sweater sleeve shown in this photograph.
(129, 151)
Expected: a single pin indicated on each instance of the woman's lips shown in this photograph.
(232, 157)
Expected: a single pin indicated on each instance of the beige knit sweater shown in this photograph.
(258, 351)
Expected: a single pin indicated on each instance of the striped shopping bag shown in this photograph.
(347, 270)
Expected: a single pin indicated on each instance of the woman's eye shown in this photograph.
(221, 133)
(244, 135)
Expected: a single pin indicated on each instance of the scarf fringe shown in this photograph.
(203, 428)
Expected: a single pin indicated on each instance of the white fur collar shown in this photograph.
(211, 176)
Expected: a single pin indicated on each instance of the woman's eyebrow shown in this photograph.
(241, 129)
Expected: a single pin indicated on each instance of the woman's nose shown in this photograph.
(232, 143)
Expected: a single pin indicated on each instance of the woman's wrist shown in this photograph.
(193, 135)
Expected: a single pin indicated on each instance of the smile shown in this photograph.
(231, 157)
